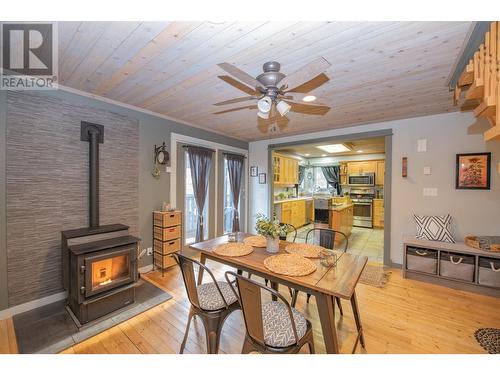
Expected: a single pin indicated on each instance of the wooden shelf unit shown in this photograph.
(456, 248)
(167, 238)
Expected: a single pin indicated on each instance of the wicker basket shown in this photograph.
(486, 243)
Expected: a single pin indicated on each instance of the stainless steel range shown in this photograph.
(363, 207)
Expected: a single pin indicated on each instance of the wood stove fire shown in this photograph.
(100, 261)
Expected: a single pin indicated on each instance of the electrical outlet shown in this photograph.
(149, 251)
(430, 192)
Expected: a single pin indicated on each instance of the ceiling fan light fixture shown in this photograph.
(264, 105)
(264, 115)
(309, 98)
(283, 107)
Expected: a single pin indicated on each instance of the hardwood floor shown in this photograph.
(404, 317)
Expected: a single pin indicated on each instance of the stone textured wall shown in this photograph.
(47, 185)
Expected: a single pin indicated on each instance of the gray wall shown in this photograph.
(47, 185)
(473, 212)
(152, 130)
(4, 298)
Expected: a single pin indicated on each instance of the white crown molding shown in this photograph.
(142, 110)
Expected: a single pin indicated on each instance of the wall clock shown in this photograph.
(161, 154)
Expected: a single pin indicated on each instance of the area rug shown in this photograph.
(489, 339)
(374, 275)
(50, 329)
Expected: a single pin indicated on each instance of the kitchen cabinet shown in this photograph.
(285, 170)
(341, 220)
(360, 167)
(378, 213)
(380, 172)
(293, 212)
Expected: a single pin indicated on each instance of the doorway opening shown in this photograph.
(340, 183)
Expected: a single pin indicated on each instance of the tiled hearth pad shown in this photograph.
(50, 329)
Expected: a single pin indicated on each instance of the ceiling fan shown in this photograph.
(277, 93)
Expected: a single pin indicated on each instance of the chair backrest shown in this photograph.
(326, 238)
(290, 229)
(250, 299)
(187, 266)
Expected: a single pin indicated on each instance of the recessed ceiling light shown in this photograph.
(334, 148)
(309, 98)
(359, 151)
(307, 154)
(324, 155)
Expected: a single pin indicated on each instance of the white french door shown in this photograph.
(218, 209)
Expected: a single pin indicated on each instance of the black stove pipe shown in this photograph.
(93, 178)
(94, 134)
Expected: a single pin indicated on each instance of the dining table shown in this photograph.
(326, 283)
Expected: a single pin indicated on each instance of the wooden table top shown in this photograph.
(339, 280)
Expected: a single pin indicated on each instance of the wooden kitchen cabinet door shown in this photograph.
(380, 173)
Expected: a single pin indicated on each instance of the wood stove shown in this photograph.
(99, 261)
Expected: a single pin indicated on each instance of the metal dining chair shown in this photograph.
(272, 327)
(324, 237)
(213, 302)
(289, 229)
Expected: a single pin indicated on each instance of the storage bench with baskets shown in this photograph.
(167, 237)
(452, 264)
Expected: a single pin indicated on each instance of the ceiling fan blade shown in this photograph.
(240, 86)
(236, 109)
(236, 100)
(306, 73)
(240, 74)
(310, 85)
(308, 109)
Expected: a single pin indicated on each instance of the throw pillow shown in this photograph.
(434, 228)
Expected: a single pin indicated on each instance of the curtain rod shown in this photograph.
(230, 153)
(195, 146)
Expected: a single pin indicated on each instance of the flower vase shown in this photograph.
(273, 245)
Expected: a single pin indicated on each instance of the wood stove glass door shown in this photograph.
(107, 271)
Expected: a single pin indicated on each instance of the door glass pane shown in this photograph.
(191, 215)
(110, 270)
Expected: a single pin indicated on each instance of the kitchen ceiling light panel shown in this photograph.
(331, 149)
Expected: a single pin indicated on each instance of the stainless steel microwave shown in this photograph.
(367, 179)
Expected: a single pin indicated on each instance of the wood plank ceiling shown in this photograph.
(380, 70)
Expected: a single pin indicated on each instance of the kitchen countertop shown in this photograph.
(292, 199)
(341, 207)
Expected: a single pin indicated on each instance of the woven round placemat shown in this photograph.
(234, 249)
(256, 241)
(489, 339)
(305, 249)
(289, 265)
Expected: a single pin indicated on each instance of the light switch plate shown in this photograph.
(168, 169)
(427, 170)
(430, 192)
(422, 145)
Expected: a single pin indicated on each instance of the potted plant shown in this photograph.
(269, 228)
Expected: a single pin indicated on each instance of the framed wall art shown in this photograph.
(473, 171)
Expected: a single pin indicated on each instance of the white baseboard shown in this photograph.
(146, 269)
(11, 311)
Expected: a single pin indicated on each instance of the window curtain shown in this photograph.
(200, 161)
(235, 171)
(302, 172)
(332, 176)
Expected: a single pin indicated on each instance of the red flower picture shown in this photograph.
(473, 171)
